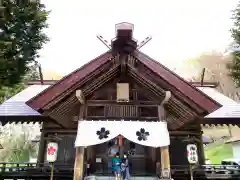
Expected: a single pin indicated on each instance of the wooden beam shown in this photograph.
(74, 131)
(113, 102)
(76, 84)
(161, 110)
(120, 118)
(183, 133)
(101, 80)
(147, 74)
(80, 96)
(58, 118)
(166, 98)
(194, 83)
(59, 130)
(186, 113)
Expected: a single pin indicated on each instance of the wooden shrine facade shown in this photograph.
(122, 84)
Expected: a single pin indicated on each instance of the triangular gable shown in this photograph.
(176, 82)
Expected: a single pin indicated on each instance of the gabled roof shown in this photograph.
(16, 106)
(177, 83)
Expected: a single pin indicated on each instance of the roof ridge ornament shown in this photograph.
(144, 42)
(104, 41)
(124, 38)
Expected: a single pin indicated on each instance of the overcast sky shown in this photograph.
(180, 29)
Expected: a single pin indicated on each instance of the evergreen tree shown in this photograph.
(234, 65)
(21, 37)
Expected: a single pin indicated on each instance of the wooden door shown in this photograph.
(140, 157)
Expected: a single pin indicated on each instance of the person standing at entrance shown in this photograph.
(125, 167)
(116, 166)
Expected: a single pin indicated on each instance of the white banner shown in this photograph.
(52, 149)
(153, 134)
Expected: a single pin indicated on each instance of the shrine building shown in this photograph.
(121, 101)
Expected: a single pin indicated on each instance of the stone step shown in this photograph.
(112, 178)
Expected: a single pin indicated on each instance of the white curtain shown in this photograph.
(95, 132)
(154, 134)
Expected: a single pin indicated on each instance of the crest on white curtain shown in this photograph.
(103, 133)
(142, 134)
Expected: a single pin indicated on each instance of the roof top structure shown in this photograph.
(64, 89)
(54, 93)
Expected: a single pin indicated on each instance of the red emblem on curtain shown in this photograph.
(51, 150)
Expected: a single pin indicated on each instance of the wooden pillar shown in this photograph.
(79, 164)
(164, 151)
(165, 160)
(79, 157)
(201, 150)
(41, 149)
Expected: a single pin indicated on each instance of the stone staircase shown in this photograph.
(112, 178)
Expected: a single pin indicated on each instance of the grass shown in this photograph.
(218, 153)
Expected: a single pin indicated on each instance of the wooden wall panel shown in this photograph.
(178, 152)
(66, 150)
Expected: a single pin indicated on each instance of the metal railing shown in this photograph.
(20, 169)
(34, 170)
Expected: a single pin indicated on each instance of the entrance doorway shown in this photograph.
(142, 159)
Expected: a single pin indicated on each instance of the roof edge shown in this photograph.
(206, 102)
(66, 82)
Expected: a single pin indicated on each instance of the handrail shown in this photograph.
(43, 169)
